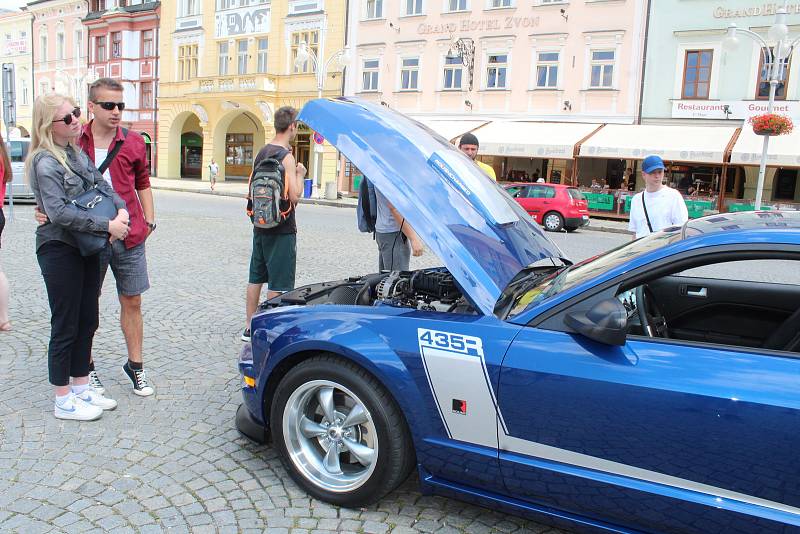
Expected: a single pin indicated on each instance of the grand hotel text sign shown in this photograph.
(466, 25)
(761, 10)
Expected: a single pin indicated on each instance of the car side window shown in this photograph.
(768, 271)
(536, 191)
(549, 192)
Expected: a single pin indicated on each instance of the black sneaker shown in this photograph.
(94, 381)
(139, 380)
(246, 335)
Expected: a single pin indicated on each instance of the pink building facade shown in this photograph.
(531, 59)
(59, 48)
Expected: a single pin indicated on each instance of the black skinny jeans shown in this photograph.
(73, 290)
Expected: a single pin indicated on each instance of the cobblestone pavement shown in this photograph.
(174, 461)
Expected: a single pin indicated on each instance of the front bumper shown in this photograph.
(249, 427)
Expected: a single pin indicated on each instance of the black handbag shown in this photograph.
(100, 204)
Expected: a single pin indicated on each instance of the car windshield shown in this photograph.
(568, 277)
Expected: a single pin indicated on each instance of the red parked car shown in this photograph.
(554, 206)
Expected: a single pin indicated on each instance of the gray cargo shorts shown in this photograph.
(129, 266)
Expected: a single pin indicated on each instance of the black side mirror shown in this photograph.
(606, 322)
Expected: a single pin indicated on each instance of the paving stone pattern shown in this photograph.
(174, 461)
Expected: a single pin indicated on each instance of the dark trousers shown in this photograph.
(73, 291)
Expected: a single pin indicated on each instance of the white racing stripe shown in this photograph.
(456, 370)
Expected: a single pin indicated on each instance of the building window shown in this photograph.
(370, 75)
(413, 7)
(602, 69)
(496, 71)
(60, 45)
(78, 45)
(501, 3)
(301, 6)
(762, 91)
(44, 88)
(262, 55)
(374, 9)
(409, 74)
(100, 48)
(187, 62)
(547, 70)
(116, 44)
(311, 38)
(43, 48)
(223, 58)
(453, 69)
(98, 5)
(188, 7)
(697, 73)
(147, 43)
(242, 55)
(225, 4)
(456, 5)
(147, 95)
(239, 149)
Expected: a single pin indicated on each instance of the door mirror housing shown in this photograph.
(606, 322)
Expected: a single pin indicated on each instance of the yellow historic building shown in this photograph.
(15, 49)
(226, 66)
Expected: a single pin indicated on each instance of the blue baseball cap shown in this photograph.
(652, 163)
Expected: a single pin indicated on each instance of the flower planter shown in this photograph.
(771, 124)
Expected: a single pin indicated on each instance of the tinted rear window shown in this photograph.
(17, 151)
(574, 193)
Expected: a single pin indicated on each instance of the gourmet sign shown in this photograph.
(465, 25)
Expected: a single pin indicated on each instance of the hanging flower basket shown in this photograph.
(771, 124)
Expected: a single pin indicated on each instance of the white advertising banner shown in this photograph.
(242, 21)
(730, 109)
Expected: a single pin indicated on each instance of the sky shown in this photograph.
(14, 4)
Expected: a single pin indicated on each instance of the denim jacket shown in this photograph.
(55, 187)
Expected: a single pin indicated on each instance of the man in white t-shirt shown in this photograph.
(658, 206)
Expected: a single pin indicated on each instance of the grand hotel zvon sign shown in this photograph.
(466, 25)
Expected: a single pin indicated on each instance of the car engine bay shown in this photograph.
(424, 289)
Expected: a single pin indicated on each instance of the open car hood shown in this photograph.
(480, 233)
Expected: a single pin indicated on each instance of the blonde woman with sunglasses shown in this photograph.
(5, 178)
(59, 171)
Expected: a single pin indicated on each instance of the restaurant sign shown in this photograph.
(730, 109)
(14, 47)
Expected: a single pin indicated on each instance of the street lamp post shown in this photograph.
(775, 60)
(304, 53)
(464, 49)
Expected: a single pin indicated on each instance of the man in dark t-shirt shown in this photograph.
(274, 257)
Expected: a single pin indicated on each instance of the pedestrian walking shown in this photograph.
(6, 175)
(121, 156)
(274, 257)
(213, 170)
(468, 144)
(658, 206)
(59, 171)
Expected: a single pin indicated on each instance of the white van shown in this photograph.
(17, 152)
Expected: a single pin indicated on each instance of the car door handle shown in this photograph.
(697, 292)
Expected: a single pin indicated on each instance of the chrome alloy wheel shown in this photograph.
(330, 436)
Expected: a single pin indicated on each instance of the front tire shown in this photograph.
(339, 433)
(553, 221)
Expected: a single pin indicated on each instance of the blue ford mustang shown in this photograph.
(640, 390)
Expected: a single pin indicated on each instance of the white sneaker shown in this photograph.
(93, 397)
(77, 409)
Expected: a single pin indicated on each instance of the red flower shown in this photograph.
(771, 124)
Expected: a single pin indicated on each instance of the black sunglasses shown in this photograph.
(67, 119)
(108, 106)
